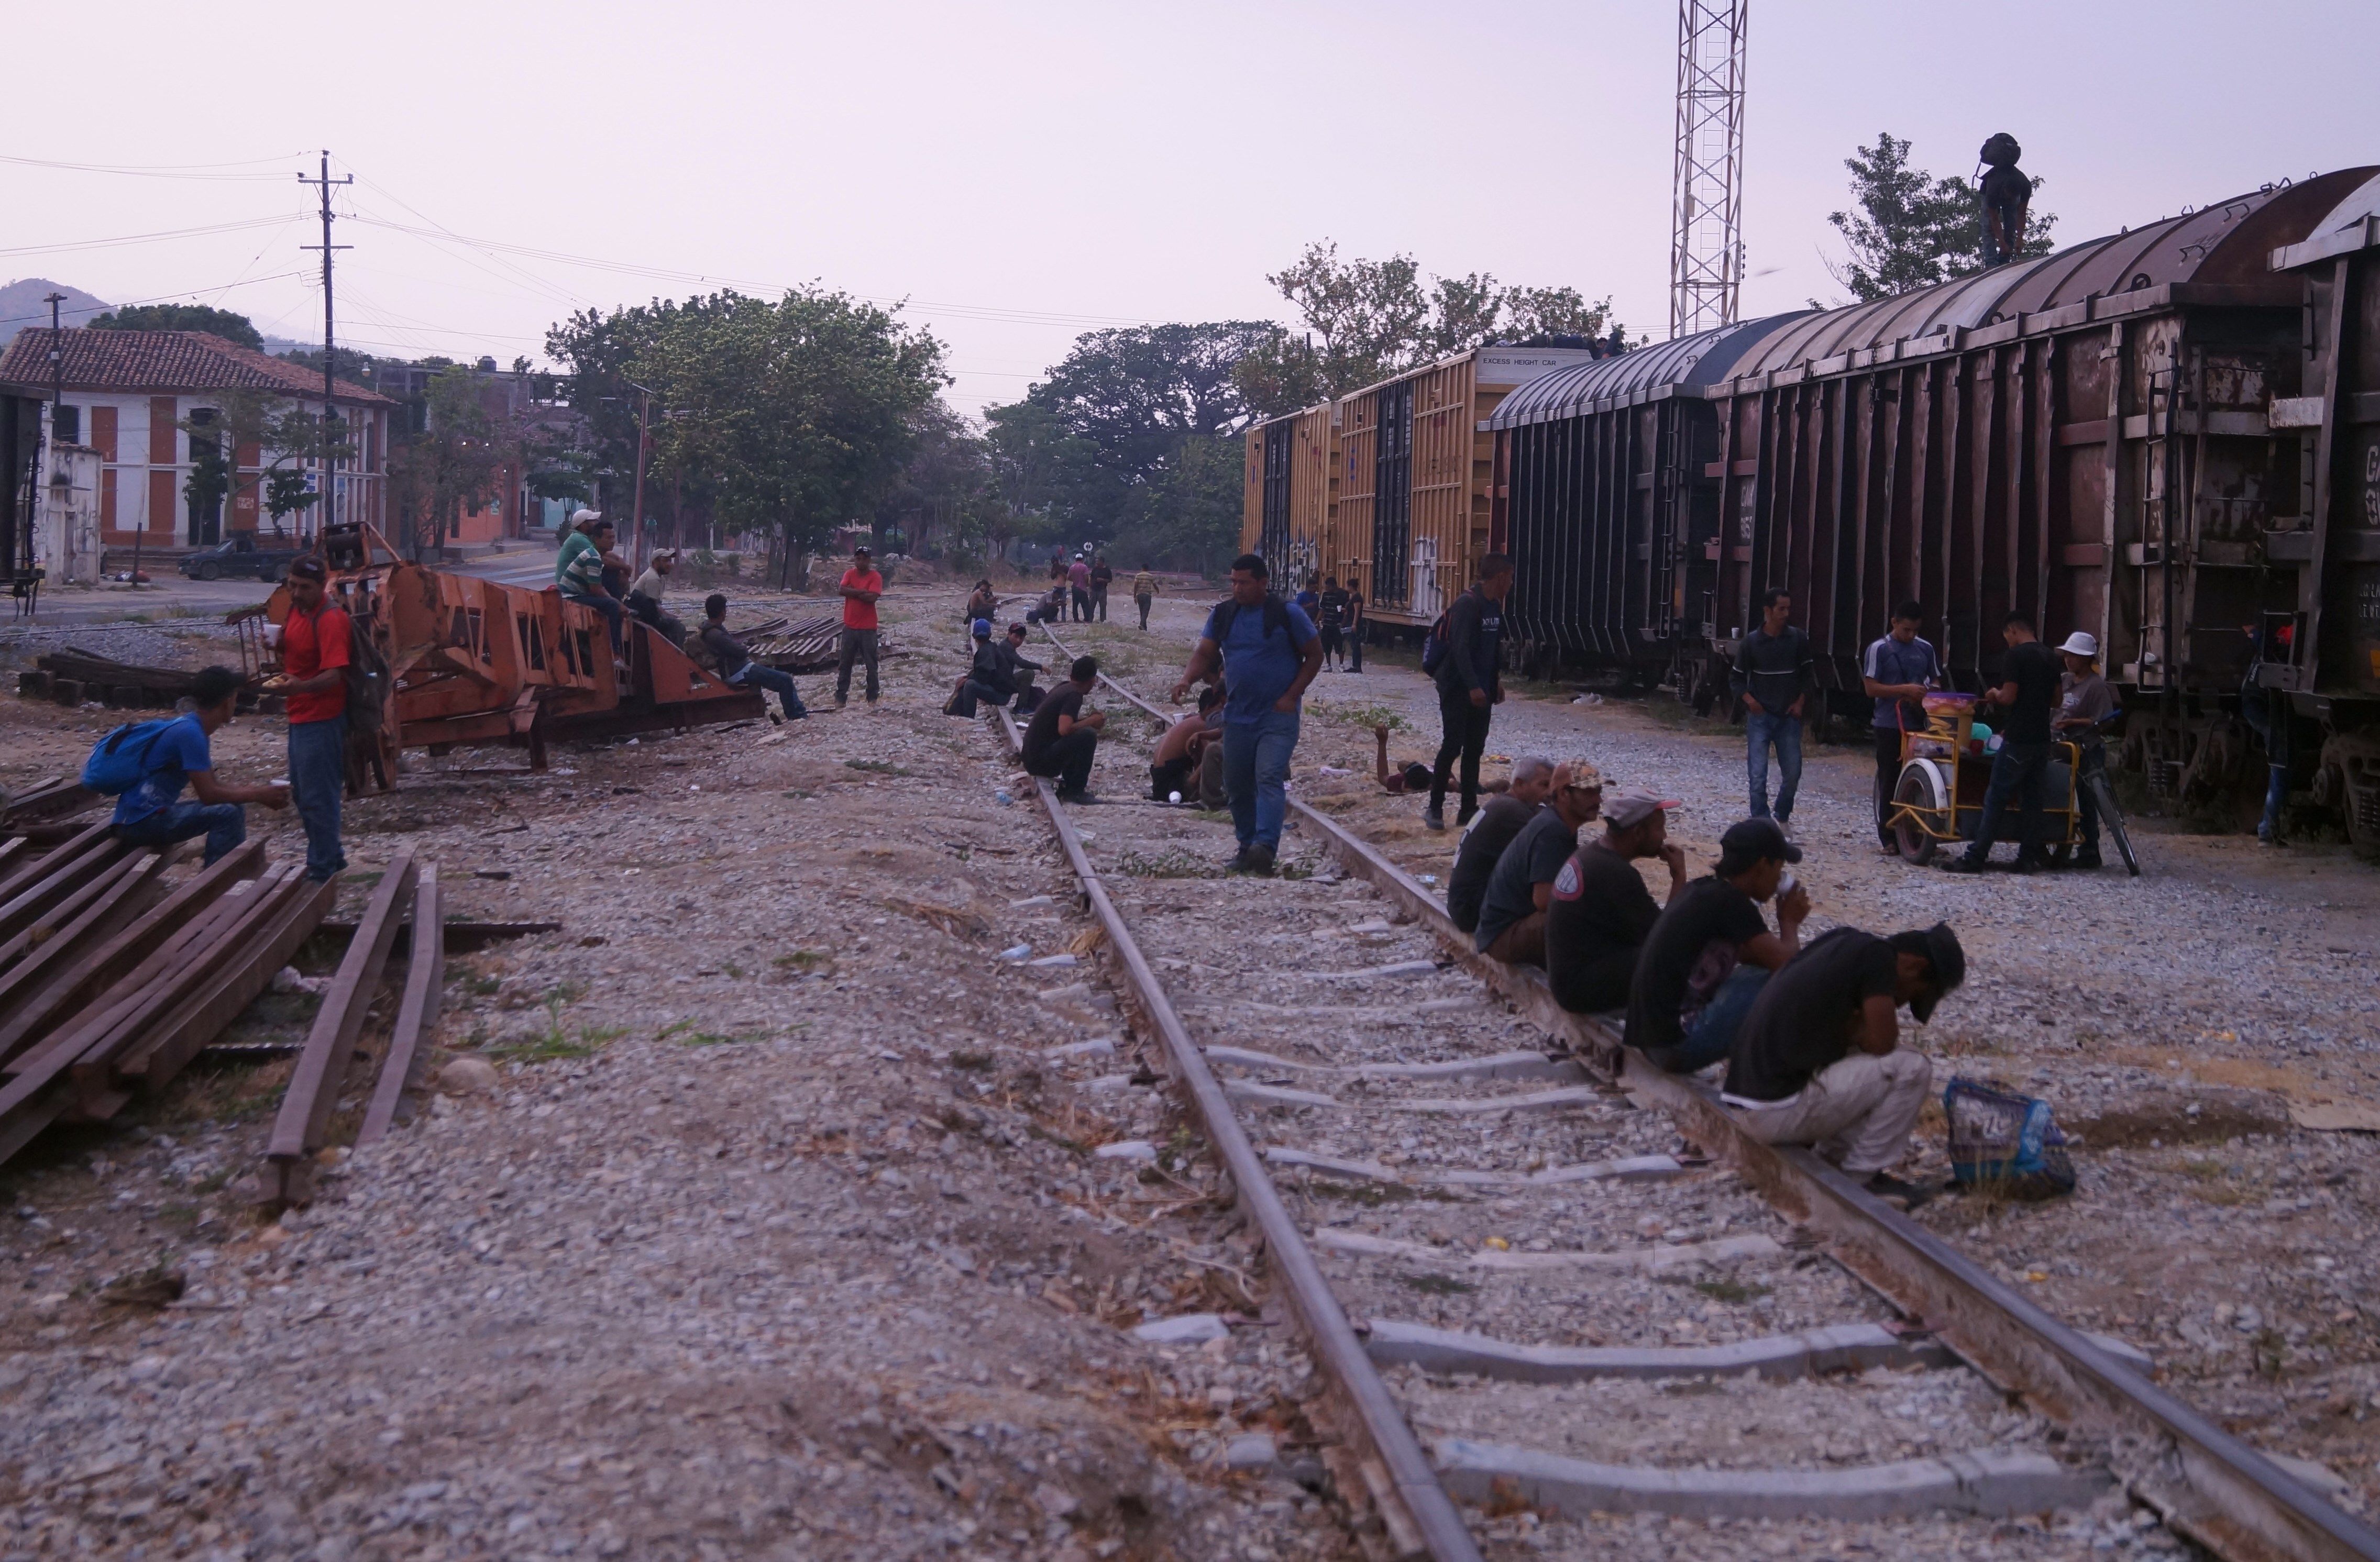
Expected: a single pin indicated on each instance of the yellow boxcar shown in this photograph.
(1415, 482)
(1290, 504)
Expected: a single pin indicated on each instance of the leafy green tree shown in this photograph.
(224, 324)
(935, 503)
(457, 460)
(284, 437)
(1911, 229)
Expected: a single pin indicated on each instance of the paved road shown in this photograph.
(170, 596)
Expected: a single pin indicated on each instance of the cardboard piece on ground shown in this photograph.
(2336, 1117)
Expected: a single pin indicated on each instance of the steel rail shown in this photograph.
(2202, 1479)
(1415, 1510)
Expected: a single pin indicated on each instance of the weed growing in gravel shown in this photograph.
(1733, 1291)
(482, 987)
(558, 1043)
(714, 1038)
(1365, 717)
(2271, 1352)
(1438, 1285)
(806, 962)
(979, 1061)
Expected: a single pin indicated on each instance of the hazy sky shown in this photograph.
(1025, 172)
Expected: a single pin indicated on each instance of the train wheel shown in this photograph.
(1920, 789)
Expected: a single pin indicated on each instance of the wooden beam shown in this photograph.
(417, 1014)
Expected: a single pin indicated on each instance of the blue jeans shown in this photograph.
(752, 675)
(224, 824)
(1712, 1036)
(614, 614)
(1255, 768)
(1761, 729)
(318, 779)
(2017, 771)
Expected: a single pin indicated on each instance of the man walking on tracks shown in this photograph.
(860, 588)
(1355, 625)
(1267, 652)
(314, 657)
(1896, 672)
(2028, 688)
(1470, 686)
(1819, 1061)
(1079, 585)
(1772, 677)
(1332, 620)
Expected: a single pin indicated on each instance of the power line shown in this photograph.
(157, 171)
(144, 237)
(164, 298)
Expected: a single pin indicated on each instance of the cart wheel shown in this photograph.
(2063, 855)
(1917, 790)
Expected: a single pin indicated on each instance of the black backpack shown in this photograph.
(1227, 613)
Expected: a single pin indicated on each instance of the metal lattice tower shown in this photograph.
(1706, 243)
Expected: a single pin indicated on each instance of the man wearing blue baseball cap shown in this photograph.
(987, 681)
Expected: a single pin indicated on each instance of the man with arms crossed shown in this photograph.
(860, 588)
(1896, 672)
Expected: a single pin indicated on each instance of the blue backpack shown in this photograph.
(119, 760)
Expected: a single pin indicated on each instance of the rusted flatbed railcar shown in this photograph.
(474, 662)
(1289, 510)
(2028, 438)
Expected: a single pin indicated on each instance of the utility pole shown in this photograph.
(57, 421)
(1706, 233)
(636, 507)
(330, 356)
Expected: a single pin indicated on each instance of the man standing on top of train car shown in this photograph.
(2028, 688)
(1772, 678)
(860, 588)
(1896, 672)
(1268, 652)
(314, 641)
(1470, 686)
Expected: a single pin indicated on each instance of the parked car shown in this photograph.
(240, 555)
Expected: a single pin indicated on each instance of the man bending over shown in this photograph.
(152, 813)
(1601, 912)
(1705, 959)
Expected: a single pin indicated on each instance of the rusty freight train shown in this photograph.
(2169, 437)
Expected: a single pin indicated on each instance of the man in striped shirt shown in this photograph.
(578, 572)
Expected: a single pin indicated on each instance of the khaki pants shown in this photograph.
(1524, 943)
(1857, 1112)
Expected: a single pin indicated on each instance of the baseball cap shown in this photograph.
(1942, 952)
(1754, 840)
(983, 629)
(311, 566)
(1582, 773)
(862, 552)
(1629, 809)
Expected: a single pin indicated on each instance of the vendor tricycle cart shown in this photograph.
(1946, 769)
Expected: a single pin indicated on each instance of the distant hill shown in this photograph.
(21, 306)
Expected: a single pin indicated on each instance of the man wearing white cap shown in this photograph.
(1601, 912)
(2083, 701)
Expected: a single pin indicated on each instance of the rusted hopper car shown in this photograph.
(474, 662)
(1290, 504)
(1414, 476)
(2028, 439)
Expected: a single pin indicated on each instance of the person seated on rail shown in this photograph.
(986, 679)
(736, 666)
(1705, 960)
(1601, 912)
(1512, 912)
(983, 602)
(151, 812)
(1050, 609)
(1184, 747)
(1818, 1061)
(578, 574)
(1063, 738)
(645, 597)
(1491, 830)
(1020, 670)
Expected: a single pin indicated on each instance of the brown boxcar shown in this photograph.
(1292, 496)
(1415, 473)
(2025, 439)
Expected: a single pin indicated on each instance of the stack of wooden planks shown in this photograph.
(73, 675)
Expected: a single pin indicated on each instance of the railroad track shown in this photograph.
(1538, 1312)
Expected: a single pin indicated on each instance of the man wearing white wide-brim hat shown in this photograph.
(2083, 701)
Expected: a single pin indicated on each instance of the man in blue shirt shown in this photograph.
(151, 813)
(1896, 672)
(1266, 651)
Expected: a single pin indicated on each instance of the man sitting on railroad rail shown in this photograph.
(1063, 738)
(1020, 670)
(1819, 1060)
(1184, 748)
(986, 681)
(1492, 830)
(736, 666)
(151, 812)
(1601, 912)
(1705, 960)
(645, 596)
(1512, 912)
(578, 572)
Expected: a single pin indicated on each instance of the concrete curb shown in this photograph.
(1778, 1357)
(1992, 1483)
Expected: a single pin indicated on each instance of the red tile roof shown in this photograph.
(162, 360)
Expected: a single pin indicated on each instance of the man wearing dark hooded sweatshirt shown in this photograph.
(1469, 687)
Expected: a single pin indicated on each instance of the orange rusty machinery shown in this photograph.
(476, 662)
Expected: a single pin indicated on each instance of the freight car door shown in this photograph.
(1275, 544)
(1393, 497)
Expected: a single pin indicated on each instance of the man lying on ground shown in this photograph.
(1396, 783)
(1491, 830)
(152, 813)
(1513, 913)
(1705, 960)
(1184, 746)
(1601, 912)
(1063, 738)
(736, 666)
(1819, 1060)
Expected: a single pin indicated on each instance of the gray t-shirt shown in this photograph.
(1535, 858)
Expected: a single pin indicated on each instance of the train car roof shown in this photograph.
(2348, 226)
(1703, 358)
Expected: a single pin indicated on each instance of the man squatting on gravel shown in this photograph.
(1267, 651)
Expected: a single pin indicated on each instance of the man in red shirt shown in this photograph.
(861, 586)
(314, 680)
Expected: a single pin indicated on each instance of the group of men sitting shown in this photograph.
(998, 673)
(1809, 1034)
